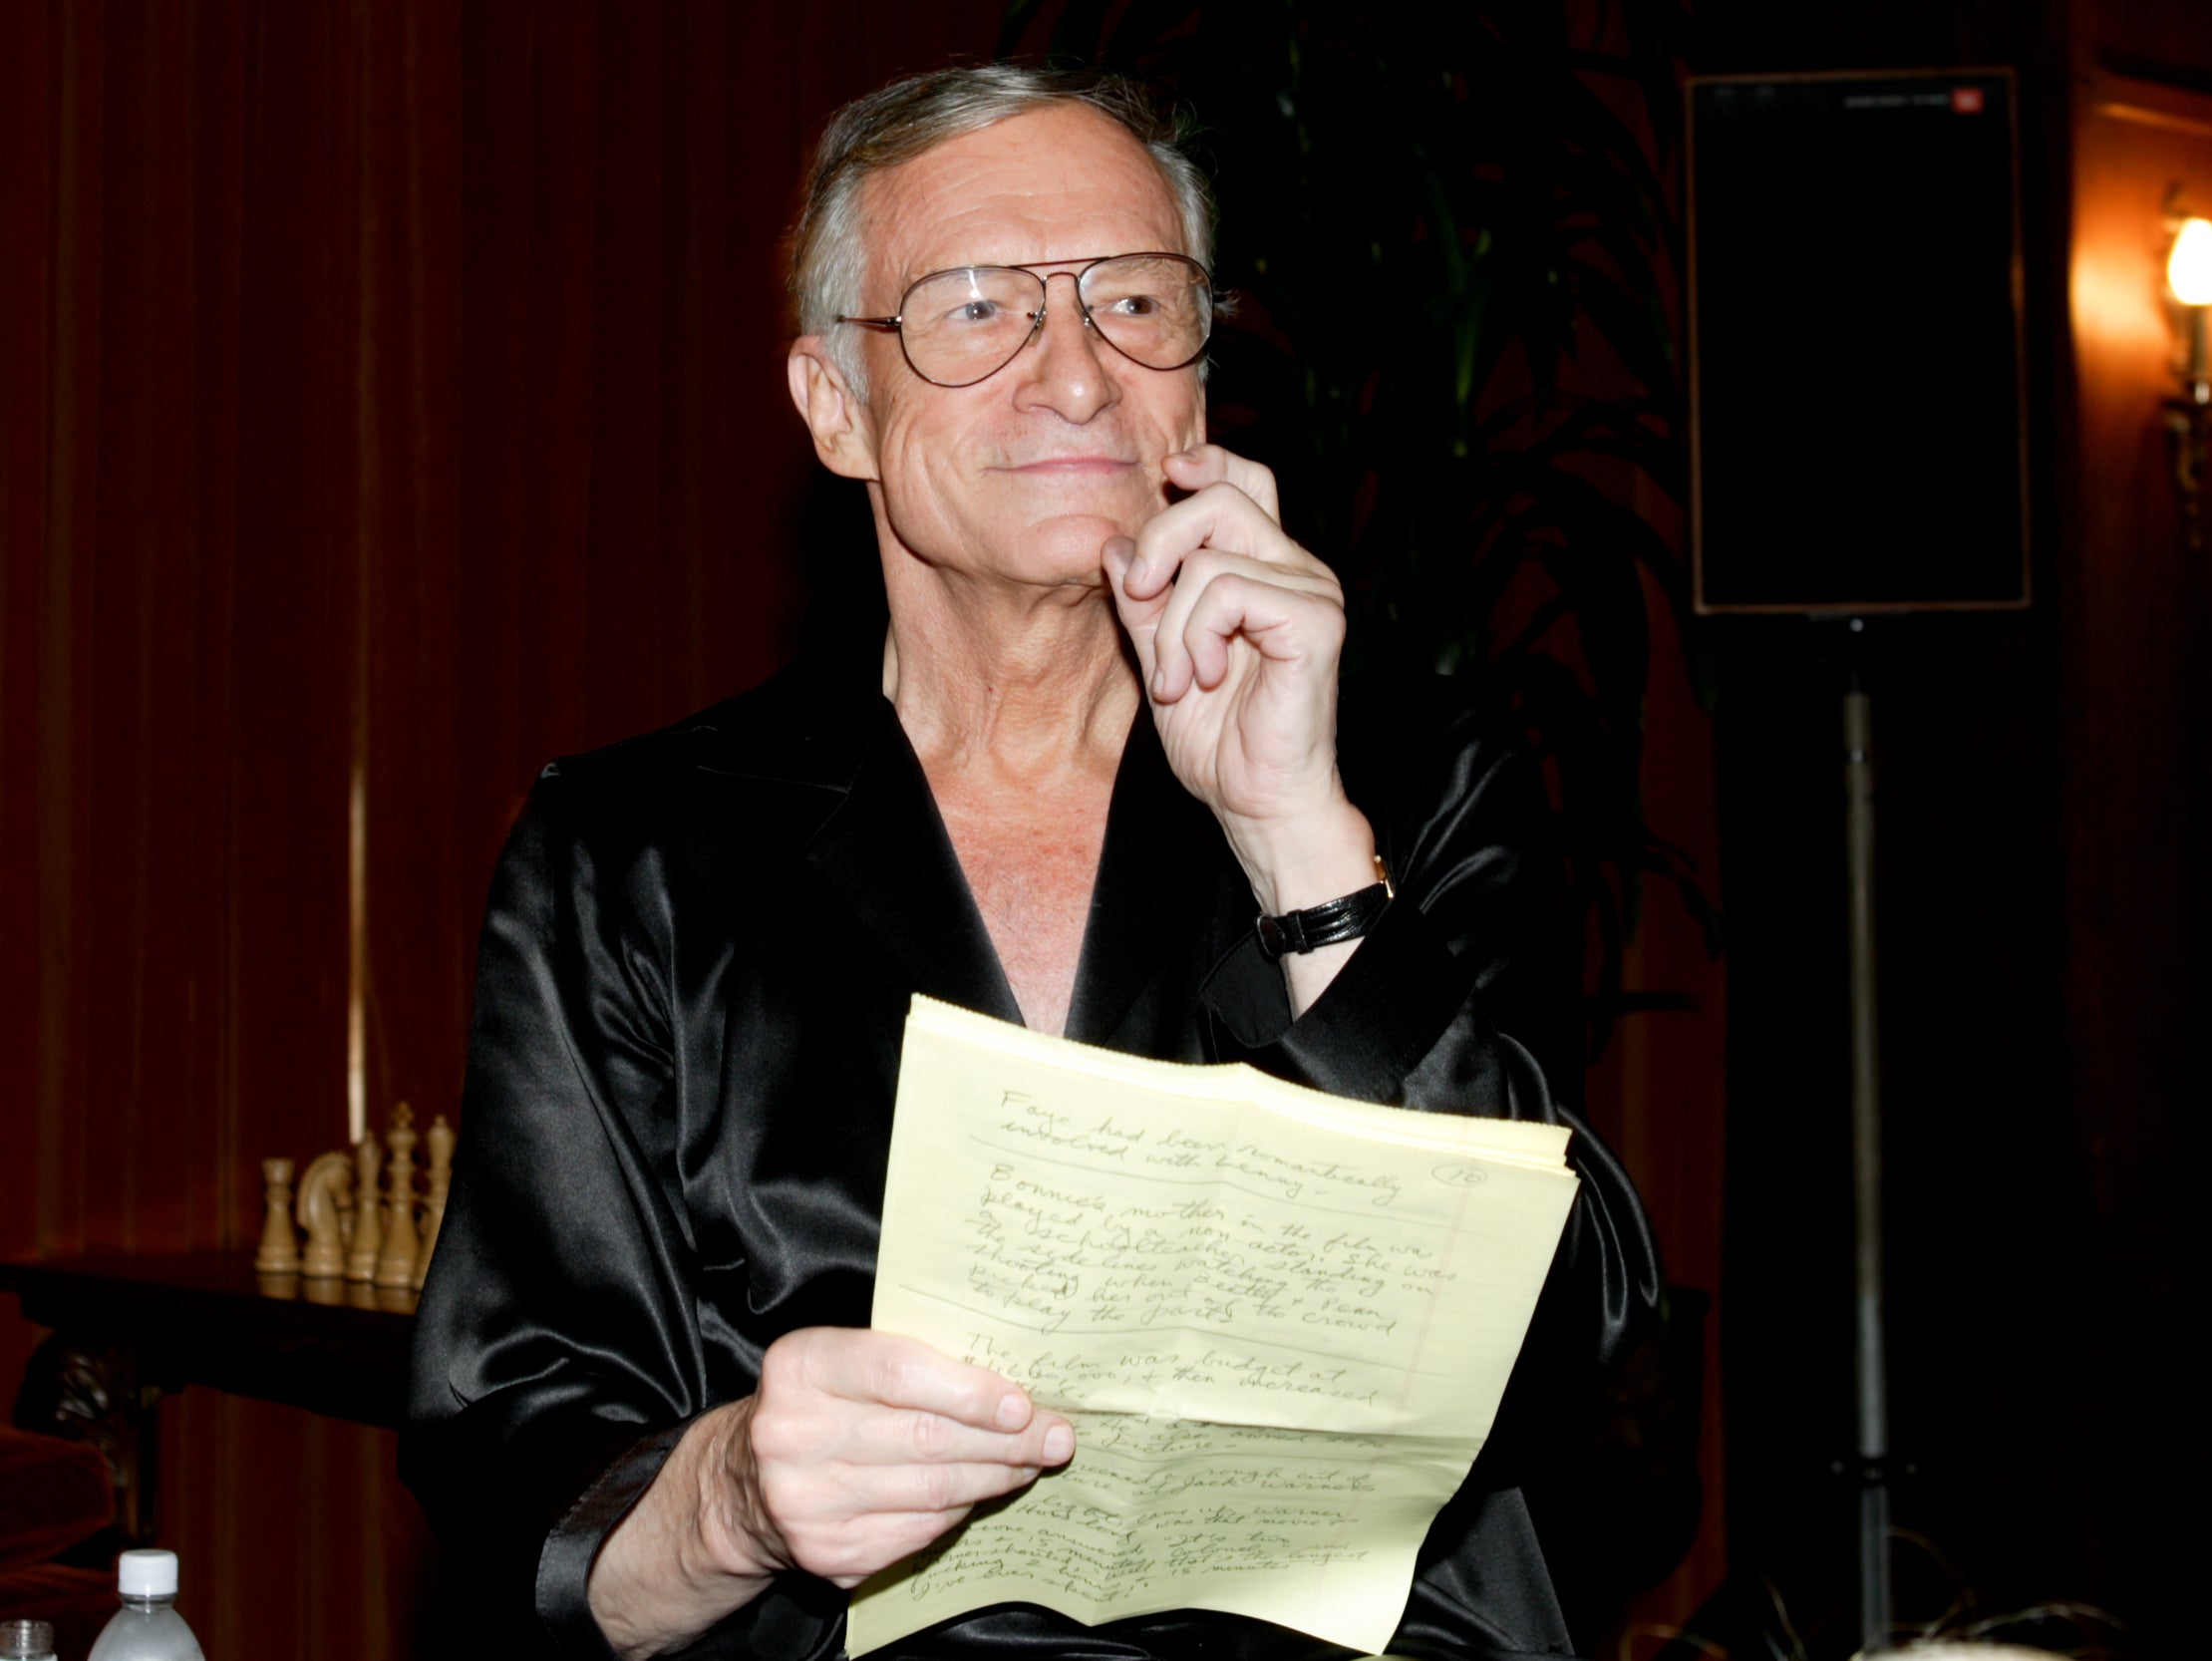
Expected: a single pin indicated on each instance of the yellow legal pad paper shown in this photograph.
(1280, 1322)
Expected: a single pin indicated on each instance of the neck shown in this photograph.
(1024, 682)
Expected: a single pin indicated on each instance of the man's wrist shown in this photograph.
(681, 1559)
(1334, 922)
(1306, 859)
(733, 1538)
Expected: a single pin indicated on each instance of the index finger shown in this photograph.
(1208, 464)
(1222, 518)
(883, 1368)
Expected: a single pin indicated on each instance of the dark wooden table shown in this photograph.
(129, 1329)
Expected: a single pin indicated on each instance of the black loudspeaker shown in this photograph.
(1857, 429)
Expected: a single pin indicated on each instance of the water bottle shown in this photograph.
(26, 1641)
(147, 1627)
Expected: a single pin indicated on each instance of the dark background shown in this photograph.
(390, 398)
(2041, 922)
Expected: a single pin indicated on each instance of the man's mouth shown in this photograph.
(1071, 465)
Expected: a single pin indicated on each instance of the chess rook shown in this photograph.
(279, 1254)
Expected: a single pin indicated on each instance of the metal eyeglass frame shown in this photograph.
(895, 323)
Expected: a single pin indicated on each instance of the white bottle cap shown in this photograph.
(146, 1574)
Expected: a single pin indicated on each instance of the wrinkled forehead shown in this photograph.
(1064, 183)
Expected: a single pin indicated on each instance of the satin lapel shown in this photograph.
(1154, 899)
(885, 853)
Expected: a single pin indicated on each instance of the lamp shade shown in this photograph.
(2189, 266)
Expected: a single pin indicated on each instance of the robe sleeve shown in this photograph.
(1460, 1002)
(558, 1354)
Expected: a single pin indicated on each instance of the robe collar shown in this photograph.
(881, 844)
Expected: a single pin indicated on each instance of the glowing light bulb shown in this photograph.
(2189, 266)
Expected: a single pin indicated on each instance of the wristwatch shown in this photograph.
(1325, 926)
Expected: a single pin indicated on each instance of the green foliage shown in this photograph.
(1450, 241)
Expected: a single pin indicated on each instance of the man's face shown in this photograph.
(1022, 477)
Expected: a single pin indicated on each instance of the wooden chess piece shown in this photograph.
(368, 1225)
(324, 1209)
(440, 1143)
(279, 1254)
(396, 1260)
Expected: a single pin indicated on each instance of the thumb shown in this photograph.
(1140, 618)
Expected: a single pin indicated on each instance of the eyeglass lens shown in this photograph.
(960, 327)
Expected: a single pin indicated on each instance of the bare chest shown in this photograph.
(1031, 864)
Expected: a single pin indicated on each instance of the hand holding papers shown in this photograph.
(1280, 1322)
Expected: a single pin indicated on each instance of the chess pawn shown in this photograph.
(440, 1141)
(396, 1260)
(279, 1254)
(324, 1209)
(368, 1226)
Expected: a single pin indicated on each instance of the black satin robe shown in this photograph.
(699, 952)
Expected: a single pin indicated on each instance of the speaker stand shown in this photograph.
(1866, 1160)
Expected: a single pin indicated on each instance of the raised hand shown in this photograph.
(1238, 631)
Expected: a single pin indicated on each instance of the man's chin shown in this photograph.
(1069, 549)
(1085, 532)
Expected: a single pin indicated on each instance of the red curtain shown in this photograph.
(389, 394)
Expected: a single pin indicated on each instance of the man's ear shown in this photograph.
(843, 438)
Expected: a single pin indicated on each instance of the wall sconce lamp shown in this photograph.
(2189, 416)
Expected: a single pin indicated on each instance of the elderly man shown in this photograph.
(1098, 739)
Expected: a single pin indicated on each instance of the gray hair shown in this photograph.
(901, 121)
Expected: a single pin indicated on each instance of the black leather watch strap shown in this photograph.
(1324, 925)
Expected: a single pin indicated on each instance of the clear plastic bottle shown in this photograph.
(26, 1641)
(147, 1627)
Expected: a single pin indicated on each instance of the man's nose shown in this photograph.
(1066, 371)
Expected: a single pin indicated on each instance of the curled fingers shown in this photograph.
(1284, 613)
